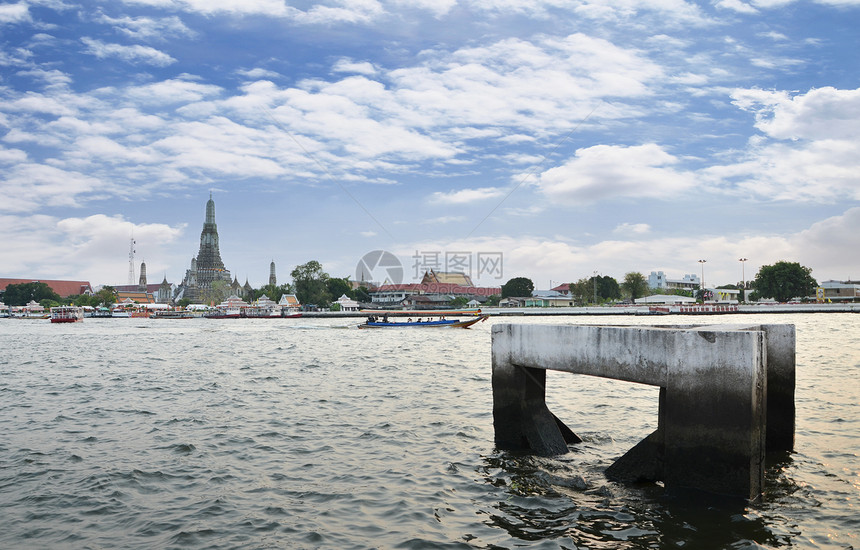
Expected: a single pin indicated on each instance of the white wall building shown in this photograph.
(347, 303)
(658, 279)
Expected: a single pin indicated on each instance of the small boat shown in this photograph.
(67, 314)
(171, 314)
(439, 323)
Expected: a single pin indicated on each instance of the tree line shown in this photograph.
(781, 281)
(23, 293)
(591, 290)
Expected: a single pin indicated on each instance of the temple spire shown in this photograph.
(210, 210)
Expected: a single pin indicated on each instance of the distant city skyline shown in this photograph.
(536, 138)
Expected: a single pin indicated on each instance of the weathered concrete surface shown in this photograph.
(713, 400)
(781, 364)
(519, 404)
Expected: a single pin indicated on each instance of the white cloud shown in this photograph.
(736, 5)
(28, 186)
(437, 7)
(148, 28)
(822, 247)
(810, 150)
(10, 156)
(172, 91)
(826, 245)
(80, 248)
(444, 220)
(464, 196)
(257, 73)
(348, 11)
(350, 66)
(129, 54)
(14, 13)
(274, 8)
(632, 229)
(612, 172)
(821, 113)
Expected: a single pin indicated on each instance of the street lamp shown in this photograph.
(595, 288)
(703, 277)
(743, 279)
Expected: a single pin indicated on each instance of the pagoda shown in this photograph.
(207, 267)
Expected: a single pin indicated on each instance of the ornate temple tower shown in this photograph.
(210, 268)
(273, 281)
(141, 284)
(206, 267)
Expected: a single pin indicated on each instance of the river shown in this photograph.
(309, 433)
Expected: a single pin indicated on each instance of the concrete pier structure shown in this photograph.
(720, 388)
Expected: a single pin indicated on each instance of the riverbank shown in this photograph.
(622, 310)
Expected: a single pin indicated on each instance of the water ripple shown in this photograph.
(277, 434)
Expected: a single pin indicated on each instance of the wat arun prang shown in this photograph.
(201, 282)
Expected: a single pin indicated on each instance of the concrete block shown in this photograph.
(712, 427)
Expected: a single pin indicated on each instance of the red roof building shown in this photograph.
(391, 294)
(562, 289)
(63, 288)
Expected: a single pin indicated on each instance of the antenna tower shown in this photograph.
(131, 260)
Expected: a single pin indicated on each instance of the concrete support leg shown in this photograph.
(522, 420)
(715, 420)
(781, 364)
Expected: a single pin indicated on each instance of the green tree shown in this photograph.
(21, 294)
(311, 284)
(635, 285)
(362, 295)
(581, 290)
(458, 302)
(607, 287)
(337, 287)
(518, 287)
(783, 281)
(493, 300)
(105, 296)
(274, 292)
(184, 303)
(79, 300)
(217, 292)
(47, 303)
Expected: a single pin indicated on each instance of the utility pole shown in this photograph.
(743, 279)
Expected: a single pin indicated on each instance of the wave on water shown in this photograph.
(282, 435)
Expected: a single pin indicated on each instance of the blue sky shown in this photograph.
(568, 136)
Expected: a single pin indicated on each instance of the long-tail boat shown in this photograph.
(373, 321)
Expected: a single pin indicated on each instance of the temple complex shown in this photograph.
(201, 282)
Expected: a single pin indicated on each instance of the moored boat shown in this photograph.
(67, 314)
(171, 314)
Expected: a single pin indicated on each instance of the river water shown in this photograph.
(300, 433)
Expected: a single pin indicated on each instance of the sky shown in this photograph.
(548, 139)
